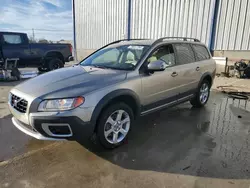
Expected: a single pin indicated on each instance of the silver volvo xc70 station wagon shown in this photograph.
(107, 90)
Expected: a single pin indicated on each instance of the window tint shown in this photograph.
(201, 52)
(164, 53)
(12, 39)
(185, 53)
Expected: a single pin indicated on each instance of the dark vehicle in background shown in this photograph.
(44, 56)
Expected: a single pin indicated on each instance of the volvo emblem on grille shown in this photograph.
(16, 101)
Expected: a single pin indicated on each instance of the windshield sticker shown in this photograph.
(136, 47)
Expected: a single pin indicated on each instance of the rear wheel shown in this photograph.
(202, 95)
(42, 69)
(114, 125)
(54, 64)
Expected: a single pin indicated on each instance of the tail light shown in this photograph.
(71, 49)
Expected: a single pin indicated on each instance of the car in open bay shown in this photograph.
(110, 88)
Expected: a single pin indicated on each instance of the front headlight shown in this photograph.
(60, 104)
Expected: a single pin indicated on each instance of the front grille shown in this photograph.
(18, 103)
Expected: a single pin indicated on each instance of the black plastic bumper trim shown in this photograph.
(79, 128)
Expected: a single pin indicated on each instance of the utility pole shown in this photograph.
(33, 34)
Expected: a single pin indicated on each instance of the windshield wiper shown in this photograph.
(99, 66)
(107, 67)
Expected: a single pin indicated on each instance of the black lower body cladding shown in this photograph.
(79, 128)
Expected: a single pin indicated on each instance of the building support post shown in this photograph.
(74, 30)
(214, 24)
(129, 19)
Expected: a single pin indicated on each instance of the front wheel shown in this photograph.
(202, 94)
(114, 125)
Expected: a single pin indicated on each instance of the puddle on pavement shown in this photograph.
(229, 115)
(13, 142)
(209, 142)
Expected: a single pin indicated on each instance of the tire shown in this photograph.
(112, 132)
(42, 69)
(54, 64)
(204, 90)
(16, 73)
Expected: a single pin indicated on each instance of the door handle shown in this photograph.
(174, 74)
(197, 68)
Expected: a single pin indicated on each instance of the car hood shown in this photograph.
(70, 82)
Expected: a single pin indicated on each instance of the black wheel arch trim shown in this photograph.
(54, 54)
(109, 97)
(205, 75)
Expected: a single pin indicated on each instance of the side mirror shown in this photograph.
(157, 65)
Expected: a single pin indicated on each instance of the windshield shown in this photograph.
(123, 57)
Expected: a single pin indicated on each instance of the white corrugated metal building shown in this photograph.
(224, 25)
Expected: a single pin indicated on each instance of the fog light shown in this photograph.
(61, 130)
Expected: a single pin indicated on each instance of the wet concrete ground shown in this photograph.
(181, 146)
(12, 143)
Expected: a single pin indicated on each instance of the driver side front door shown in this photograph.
(160, 88)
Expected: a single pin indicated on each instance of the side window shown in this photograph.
(164, 53)
(12, 39)
(201, 52)
(110, 56)
(184, 54)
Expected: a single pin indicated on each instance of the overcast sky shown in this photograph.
(23, 15)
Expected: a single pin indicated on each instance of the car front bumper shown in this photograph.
(31, 132)
(70, 125)
(40, 128)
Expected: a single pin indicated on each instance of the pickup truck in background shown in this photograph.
(44, 56)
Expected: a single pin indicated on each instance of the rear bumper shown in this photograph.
(40, 128)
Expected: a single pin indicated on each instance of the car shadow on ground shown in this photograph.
(207, 142)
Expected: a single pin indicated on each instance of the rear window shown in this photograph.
(201, 52)
(184, 53)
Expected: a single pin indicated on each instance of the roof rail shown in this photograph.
(137, 39)
(183, 38)
(117, 41)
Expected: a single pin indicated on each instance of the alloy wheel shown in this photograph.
(204, 92)
(117, 126)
